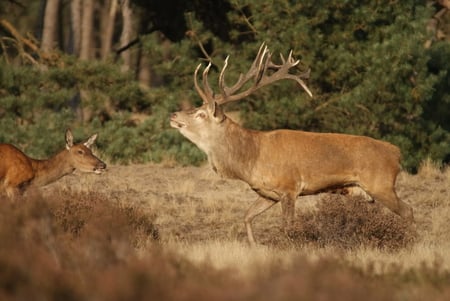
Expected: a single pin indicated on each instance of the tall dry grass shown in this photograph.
(152, 232)
(80, 246)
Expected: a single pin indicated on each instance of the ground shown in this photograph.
(195, 205)
(91, 236)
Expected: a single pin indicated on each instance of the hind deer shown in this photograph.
(18, 172)
(281, 165)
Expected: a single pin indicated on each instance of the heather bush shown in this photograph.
(89, 214)
(351, 222)
(52, 248)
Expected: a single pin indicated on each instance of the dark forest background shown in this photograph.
(119, 68)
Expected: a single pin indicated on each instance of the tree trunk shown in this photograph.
(50, 29)
(127, 32)
(86, 30)
(108, 22)
(144, 69)
(75, 13)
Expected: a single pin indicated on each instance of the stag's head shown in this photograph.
(81, 156)
(201, 124)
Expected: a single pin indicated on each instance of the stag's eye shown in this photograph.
(80, 152)
(201, 115)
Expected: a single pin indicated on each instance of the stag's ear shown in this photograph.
(69, 139)
(216, 111)
(90, 141)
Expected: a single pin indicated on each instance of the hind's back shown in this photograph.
(15, 166)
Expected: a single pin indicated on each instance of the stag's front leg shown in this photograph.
(259, 206)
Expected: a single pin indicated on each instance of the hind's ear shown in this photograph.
(69, 139)
(90, 141)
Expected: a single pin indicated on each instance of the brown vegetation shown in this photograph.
(133, 234)
(350, 223)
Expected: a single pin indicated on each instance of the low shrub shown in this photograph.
(349, 222)
(52, 248)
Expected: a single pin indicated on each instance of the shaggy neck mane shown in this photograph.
(236, 153)
(48, 171)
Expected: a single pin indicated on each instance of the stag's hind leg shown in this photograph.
(390, 199)
(383, 190)
(288, 210)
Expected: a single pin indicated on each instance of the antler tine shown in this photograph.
(222, 87)
(261, 52)
(282, 58)
(304, 86)
(262, 68)
(258, 66)
(292, 61)
(207, 94)
(208, 91)
(258, 62)
(289, 63)
(197, 86)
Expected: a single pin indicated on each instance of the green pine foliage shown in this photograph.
(370, 75)
(369, 72)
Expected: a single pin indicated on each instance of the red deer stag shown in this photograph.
(281, 165)
(18, 172)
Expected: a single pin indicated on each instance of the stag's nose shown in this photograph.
(173, 116)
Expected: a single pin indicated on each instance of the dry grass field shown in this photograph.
(162, 232)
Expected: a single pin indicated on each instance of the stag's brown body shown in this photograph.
(282, 162)
(18, 172)
(281, 165)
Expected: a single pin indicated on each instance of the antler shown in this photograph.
(257, 72)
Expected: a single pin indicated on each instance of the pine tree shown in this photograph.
(369, 71)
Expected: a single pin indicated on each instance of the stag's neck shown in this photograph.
(50, 170)
(235, 152)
